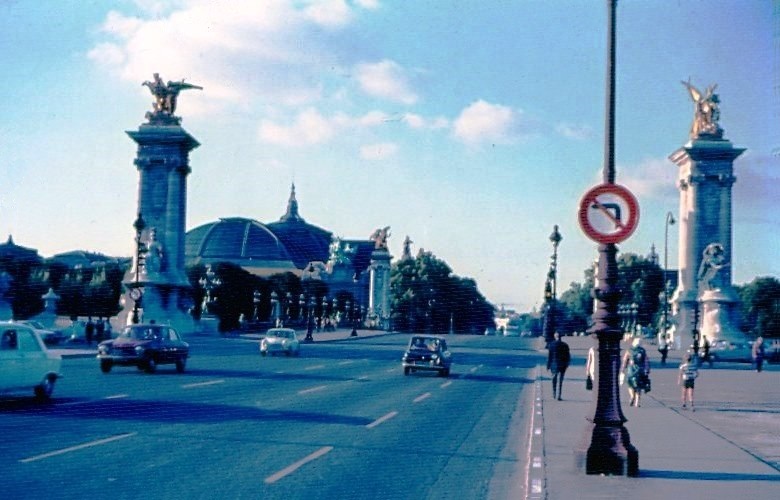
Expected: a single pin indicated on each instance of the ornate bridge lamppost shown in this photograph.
(309, 321)
(135, 292)
(275, 307)
(669, 221)
(301, 305)
(256, 299)
(551, 287)
(608, 214)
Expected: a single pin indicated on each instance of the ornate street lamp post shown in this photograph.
(551, 287)
(275, 307)
(669, 221)
(256, 299)
(287, 306)
(606, 446)
(309, 321)
(135, 293)
(301, 304)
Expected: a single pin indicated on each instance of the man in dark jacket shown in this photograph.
(558, 359)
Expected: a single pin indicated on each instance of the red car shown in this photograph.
(145, 347)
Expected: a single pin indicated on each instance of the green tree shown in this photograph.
(427, 297)
(760, 307)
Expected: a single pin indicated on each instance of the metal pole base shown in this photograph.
(607, 450)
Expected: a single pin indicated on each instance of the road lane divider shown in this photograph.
(203, 384)
(347, 362)
(446, 384)
(314, 367)
(381, 419)
(534, 469)
(117, 396)
(422, 397)
(77, 447)
(312, 389)
(297, 465)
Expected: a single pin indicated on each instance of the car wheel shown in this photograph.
(407, 370)
(263, 353)
(105, 365)
(288, 353)
(445, 372)
(151, 365)
(44, 390)
(181, 363)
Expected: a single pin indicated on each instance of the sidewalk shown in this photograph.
(681, 454)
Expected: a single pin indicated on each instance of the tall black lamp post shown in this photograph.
(256, 298)
(669, 221)
(309, 321)
(606, 445)
(551, 287)
(135, 293)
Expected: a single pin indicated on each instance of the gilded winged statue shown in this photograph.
(165, 95)
(706, 111)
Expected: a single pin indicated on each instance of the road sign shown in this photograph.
(608, 213)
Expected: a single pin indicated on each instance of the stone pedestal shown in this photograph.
(379, 288)
(718, 316)
(706, 176)
(163, 165)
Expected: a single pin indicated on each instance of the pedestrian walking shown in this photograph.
(758, 353)
(706, 350)
(590, 369)
(635, 369)
(558, 359)
(89, 330)
(663, 347)
(689, 370)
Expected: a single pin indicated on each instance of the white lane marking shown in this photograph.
(537, 463)
(202, 384)
(347, 362)
(315, 367)
(363, 377)
(77, 447)
(117, 396)
(381, 419)
(422, 397)
(538, 431)
(474, 369)
(300, 463)
(312, 389)
(536, 486)
(446, 384)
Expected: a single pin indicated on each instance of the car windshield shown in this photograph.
(423, 343)
(141, 333)
(282, 334)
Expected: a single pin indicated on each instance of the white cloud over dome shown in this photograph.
(386, 79)
(483, 122)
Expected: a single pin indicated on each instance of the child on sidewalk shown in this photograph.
(689, 370)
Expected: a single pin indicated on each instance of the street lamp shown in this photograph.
(551, 287)
(256, 299)
(606, 447)
(309, 320)
(301, 304)
(287, 305)
(669, 221)
(275, 307)
(135, 294)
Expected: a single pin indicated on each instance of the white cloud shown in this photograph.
(368, 4)
(309, 128)
(329, 13)
(576, 132)
(484, 122)
(652, 178)
(376, 152)
(387, 80)
(416, 121)
(242, 52)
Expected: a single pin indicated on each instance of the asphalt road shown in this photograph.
(340, 421)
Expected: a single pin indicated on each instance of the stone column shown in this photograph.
(706, 175)
(379, 287)
(163, 165)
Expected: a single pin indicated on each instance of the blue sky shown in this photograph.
(471, 126)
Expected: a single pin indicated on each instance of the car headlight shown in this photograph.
(103, 349)
(139, 350)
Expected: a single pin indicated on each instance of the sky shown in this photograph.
(473, 127)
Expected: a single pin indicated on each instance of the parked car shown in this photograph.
(25, 362)
(427, 353)
(722, 350)
(49, 337)
(144, 346)
(280, 340)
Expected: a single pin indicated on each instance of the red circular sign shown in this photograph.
(608, 213)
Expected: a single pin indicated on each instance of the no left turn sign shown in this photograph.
(608, 213)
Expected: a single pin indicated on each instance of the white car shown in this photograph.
(25, 363)
(280, 340)
(49, 337)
